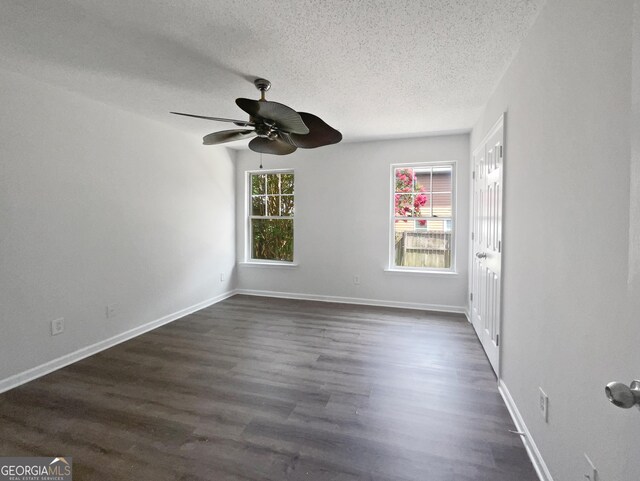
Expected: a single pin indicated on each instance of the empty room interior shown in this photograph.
(320, 240)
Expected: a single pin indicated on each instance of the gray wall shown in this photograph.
(342, 224)
(569, 325)
(101, 207)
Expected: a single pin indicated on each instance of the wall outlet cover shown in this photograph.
(57, 326)
(110, 312)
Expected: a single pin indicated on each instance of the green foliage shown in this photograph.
(272, 239)
(257, 184)
(286, 183)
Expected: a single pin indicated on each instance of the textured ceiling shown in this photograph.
(372, 69)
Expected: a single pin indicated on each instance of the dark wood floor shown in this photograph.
(270, 389)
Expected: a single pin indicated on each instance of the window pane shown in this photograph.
(273, 184)
(422, 204)
(423, 180)
(442, 179)
(257, 205)
(404, 205)
(434, 225)
(404, 180)
(286, 183)
(418, 245)
(286, 205)
(272, 239)
(442, 205)
(422, 225)
(257, 184)
(273, 205)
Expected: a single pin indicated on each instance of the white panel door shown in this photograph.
(477, 235)
(630, 348)
(486, 285)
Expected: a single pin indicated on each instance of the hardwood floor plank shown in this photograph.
(262, 389)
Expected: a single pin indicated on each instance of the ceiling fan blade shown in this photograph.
(227, 136)
(241, 123)
(275, 146)
(284, 117)
(320, 133)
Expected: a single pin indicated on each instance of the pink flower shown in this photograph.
(408, 205)
(420, 200)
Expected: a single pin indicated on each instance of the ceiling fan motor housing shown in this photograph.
(265, 130)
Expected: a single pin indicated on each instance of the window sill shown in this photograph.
(267, 264)
(433, 273)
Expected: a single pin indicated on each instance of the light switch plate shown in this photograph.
(544, 405)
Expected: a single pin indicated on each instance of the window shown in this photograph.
(422, 224)
(271, 207)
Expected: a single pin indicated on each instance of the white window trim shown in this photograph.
(391, 267)
(267, 263)
(248, 260)
(420, 272)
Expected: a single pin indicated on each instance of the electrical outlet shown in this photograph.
(544, 405)
(57, 326)
(590, 471)
(222, 277)
(109, 312)
(356, 280)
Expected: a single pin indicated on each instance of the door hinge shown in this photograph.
(497, 339)
(473, 236)
(471, 296)
(499, 246)
(501, 151)
(473, 175)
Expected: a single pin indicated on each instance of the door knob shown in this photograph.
(481, 255)
(622, 395)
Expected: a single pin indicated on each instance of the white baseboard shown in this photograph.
(48, 367)
(529, 444)
(354, 300)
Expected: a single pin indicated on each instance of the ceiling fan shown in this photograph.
(276, 128)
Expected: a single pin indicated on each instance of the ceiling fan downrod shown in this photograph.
(262, 85)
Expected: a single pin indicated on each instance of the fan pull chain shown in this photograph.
(261, 160)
